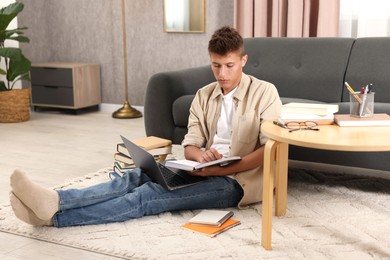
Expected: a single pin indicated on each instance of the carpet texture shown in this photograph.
(329, 216)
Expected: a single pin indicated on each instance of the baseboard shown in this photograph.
(107, 107)
(339, 169)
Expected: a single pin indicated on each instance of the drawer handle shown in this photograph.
(50, 86)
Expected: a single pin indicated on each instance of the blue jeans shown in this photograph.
(134, 195)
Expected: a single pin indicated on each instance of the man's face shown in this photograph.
(227, 69)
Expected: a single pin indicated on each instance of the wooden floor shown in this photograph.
(53, 147)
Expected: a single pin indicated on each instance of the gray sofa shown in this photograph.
(303, 70)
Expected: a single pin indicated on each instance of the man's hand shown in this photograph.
(210, 155)
(214, 170)
(249, 161)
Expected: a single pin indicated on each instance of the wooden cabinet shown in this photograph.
(65, 85)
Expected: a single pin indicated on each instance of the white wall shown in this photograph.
(362, 18)
(91, 31)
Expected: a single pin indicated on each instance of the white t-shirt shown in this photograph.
(223, 135)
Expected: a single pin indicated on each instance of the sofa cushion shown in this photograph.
(181, 110)
(370, 63)
(307, 68)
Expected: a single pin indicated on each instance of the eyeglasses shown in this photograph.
(295, 126)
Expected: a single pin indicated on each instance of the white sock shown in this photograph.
(25, 214)
(42, 201)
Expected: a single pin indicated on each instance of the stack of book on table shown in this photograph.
(211, 222)
(322, 114)
(376, 120)
(158, 147)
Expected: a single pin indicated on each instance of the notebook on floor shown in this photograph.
(170, 179)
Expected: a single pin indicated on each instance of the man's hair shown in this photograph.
(225, 40)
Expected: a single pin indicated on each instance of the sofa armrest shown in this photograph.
(162, 91)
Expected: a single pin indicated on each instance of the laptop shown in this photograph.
(170, 179)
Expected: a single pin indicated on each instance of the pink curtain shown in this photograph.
(287, 18)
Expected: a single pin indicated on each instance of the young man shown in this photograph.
(225, 119)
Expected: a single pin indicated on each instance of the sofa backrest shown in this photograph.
(370, 63)
(163, 91)
(304, 68)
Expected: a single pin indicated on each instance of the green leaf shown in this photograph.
(11, 53)
(8, 13)
(2, 86)
(18, 67)
(11, 34)
(20, 77)
(20, 39)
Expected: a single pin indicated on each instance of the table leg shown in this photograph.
(268, 188)
(281, 179)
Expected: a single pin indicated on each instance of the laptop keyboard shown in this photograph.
(175, 179)
(171, 178)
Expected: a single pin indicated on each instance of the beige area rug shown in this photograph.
(329, 216)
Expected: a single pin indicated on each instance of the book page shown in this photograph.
(222, 161)
(186, 164)
(189, 165)
(211, 217)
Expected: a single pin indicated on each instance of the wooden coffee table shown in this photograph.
(329, 137)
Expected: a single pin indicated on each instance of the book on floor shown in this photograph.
(209, 230)
(124, 166)
(212, 217)
(120, 167)
(375, 120)
(123, 158)
(158, 147)
(118, 171)
(128, 160)
(156, 151)
(189, 165)
(152, 142)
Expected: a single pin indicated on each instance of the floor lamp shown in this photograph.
(127, 111)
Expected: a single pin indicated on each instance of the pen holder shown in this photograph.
(361, 105)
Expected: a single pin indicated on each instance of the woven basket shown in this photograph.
(15, 105)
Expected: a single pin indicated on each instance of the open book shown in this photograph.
(189, 165)
(211, 217)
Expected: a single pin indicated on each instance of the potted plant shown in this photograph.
(14, 103)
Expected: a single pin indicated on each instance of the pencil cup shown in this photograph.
(361, 105)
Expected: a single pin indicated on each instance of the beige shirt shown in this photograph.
(255, 101)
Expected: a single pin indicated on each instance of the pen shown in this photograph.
(363, 105)
(350, 89)
(369, 88)
(280, 123)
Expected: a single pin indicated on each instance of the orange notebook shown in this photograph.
(210, 230)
